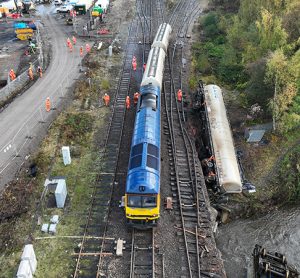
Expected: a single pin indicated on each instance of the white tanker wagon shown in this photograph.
(222, 165)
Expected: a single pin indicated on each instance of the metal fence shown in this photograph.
(16, 85)
(18, 148)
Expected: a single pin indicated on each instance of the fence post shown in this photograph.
(41, 113)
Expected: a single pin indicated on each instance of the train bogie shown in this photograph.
(162, 37)
(155, 67)
(222, 143)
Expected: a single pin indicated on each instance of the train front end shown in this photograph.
(142, 201)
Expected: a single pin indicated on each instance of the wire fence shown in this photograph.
(18, 147)
(14, 86)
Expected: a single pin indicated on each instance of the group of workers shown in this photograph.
(134, 64)
(30, 72)
(106, 100)
(70, 46)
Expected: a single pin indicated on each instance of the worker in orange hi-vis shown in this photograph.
(134, 65)
(106, 99)
(179, 95)
(133, 59)
(127, 102)
(12, 75)
(71, 47)
(74, 40)
(81, 51)
(68, 42)
(30, 73)
(87, 48)
(136, 98)
(40, 71)
(144, 66)
(48, 104)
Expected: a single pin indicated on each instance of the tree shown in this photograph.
(282, 76)
(271, 34)
(291, 21)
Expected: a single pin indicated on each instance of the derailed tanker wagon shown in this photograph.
(222, 165)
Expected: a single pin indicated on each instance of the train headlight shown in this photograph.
(128, 214)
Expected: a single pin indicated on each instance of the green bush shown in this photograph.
(77, 127)
(105, 85)
(289, 178)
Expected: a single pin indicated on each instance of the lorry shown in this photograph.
(82, 6)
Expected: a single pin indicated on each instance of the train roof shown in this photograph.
(142, 181)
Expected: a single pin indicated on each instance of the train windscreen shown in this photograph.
(135, 201)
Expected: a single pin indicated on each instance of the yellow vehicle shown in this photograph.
(24, 31)
(24, 37)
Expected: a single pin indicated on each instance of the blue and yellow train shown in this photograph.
(142, 196)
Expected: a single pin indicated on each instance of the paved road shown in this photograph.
(63, 66)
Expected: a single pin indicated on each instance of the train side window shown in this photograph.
(152, 150)
(135, 162)
(137, 149)
(148, 100)
(152, 162)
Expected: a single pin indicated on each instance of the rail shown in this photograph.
(194, 222)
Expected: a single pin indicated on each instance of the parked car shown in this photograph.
(64, 9)
(57, 2)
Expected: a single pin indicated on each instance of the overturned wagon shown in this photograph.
(220, 162)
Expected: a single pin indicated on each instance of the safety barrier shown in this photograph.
(14, 86)
(18, 147)
(22, 79)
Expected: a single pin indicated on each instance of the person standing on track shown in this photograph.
(136, 98)
(127, 102)
(179, 95)
(74, 40)
(68, 42)
(81, 51)
(134, 64)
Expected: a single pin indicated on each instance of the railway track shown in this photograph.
(142, 254)
(136, 244)
(105, 221)
(193, 224)
(91, 251)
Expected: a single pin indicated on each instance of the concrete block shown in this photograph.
(61, 193)
(24, 270)
(66, 155)
(120, 247)
(52, 228)
(45, 228)
(54, 219)
(29, 255)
